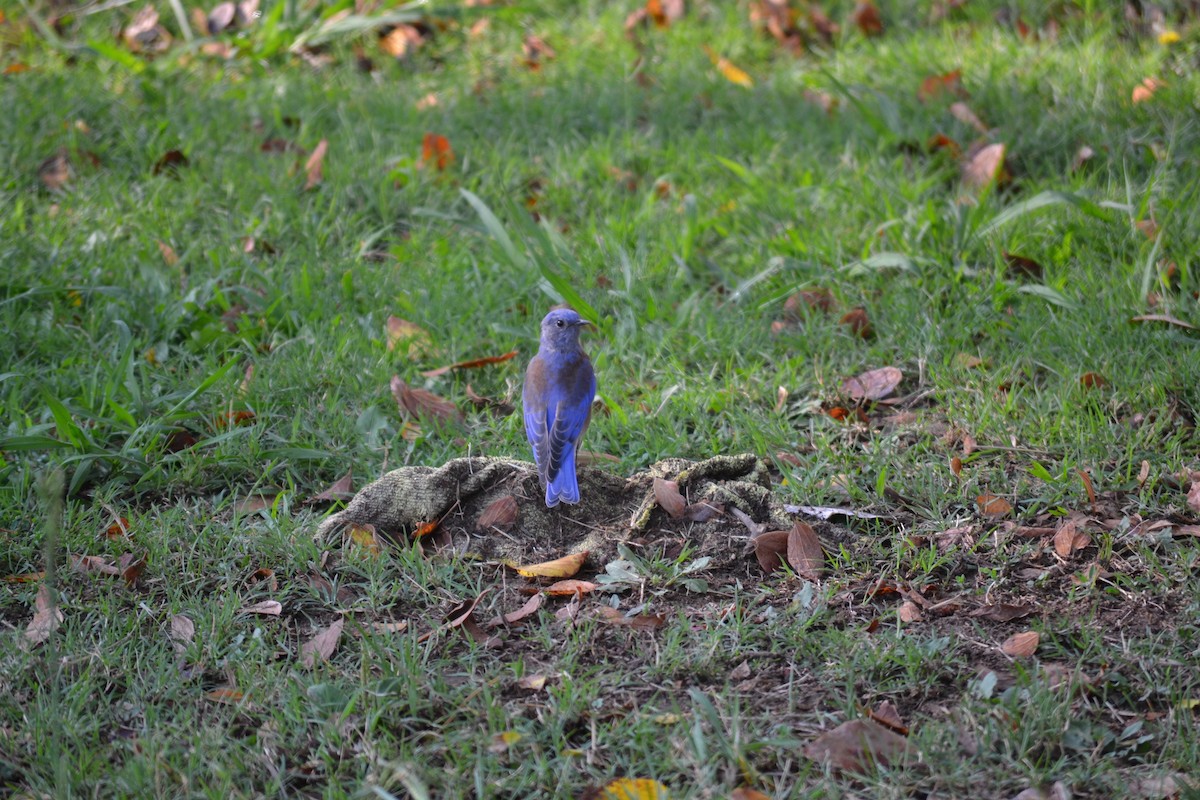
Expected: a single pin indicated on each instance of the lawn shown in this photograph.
(235, 262)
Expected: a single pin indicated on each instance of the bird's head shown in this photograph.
(561, 327)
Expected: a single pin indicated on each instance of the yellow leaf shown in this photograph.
(635, 789)
(409, 338)
(732, 73)
(364, 536)
(1168, 37)
(563, 567)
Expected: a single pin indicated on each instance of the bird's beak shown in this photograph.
(584, 323)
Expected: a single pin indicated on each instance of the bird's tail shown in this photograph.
(564, 488)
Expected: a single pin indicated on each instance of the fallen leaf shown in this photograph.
(436, 150)
(144, 34)
(472, 364)
(887, 716)
(225, 695)
(94, 564)
(866, 17)
(992, 506)
(536, 51)
(874, 384)
(746, 793)
(1143, 473)
(321, 646)
(858, 322)
(269, 608)
(1022, 267)
(956, 466)
(1193, 497)
(934, 85)
(666, 493)
(570, 588)
(397, 626)
(408, 337)
(563, 567)
(984, 167)
(1021, 645)
(1003, 612)
(131, 568)
(502, 741)
(941, 141)
(25, 577)
(726, 68)
(421, 403)
(909, 612)
(364, 536)
(16, 68)
(340, 490)
(46, 617)
(798, 304)
(1082, 156)
(858, 745)
(529, 607)
(963, 113)
(183, 630)
(1148, 228)
(804, 551)
(1146, 89)
(532, 683)
(1088, 487)
(1068, 539)
(220, 18)
(641, 622)
(254, 503)
(634, 789)
(770, 548)
(119, 529)
(169, 256)
(703, 511)
(1164, 319)
(402, 40)
(314, 168)
(55, 171)
(171, 162)
(500, 514)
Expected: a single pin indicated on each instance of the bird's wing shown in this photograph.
(572, 394)
(537, 423)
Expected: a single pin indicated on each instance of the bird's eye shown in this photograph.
(559, 323)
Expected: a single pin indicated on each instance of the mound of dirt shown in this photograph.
(612, 510)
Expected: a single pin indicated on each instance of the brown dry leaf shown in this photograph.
(397, 626)
(800, 303)
(407, 337)
(436, 151)
(254, 503)
(874, 384)
(532, 683)
(144, 34)
(169, 256)
(703, 511)
(269, 608)
(529, 607)
(1164, 319)
(770, 548)
(364, 537)
(421, 403)
(1003, 612)
(183, 630)
(1022, 267)
(858, 745)
(1092, 380)
(1146, 89)
(633, 789)
(1088, 487)
(536, 51)
(963, 113)
(314, 168)
(992, 506)
(984, 167)
(55, 171)
(1021, 645)
(570, 588)
(171, 162)
(732, 73)
(563, 567)
(858, 322)
(15, 68)
(666, 493)
(94, 564)
(909, 612)
(46, 618)
(500, 514)
(934, 85)
(118, 530)
(804, 551)
(1068, 539)
(25, 577)
(1148, 228)
(940, 141)
(320, 647)
(1143, 473)
(866, 17)
(746, 793)
(131, 568)
(887, 716)
(340, 490)
(1193, 497)
(664, 12)
(472, 364)
(641, 622)
(1084, 155)
(225, 695)
(402, 40)
(967, 361)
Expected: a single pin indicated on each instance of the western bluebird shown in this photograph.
(557, 400)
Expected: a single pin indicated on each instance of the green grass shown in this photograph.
(762, 194)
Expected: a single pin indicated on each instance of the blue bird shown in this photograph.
(559, 388)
